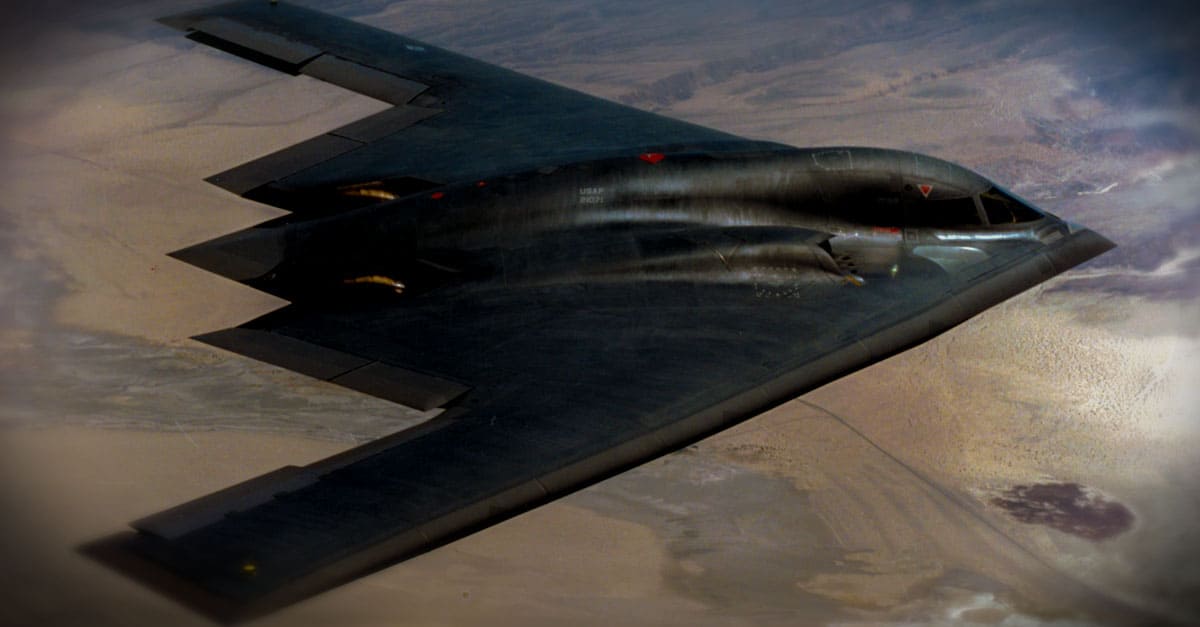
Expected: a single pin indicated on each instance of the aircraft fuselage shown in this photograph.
(768, 221)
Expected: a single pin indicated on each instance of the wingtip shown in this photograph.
(118, 552)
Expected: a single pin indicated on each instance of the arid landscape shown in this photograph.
(1034, 466)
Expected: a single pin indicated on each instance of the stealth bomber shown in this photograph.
(581, 285)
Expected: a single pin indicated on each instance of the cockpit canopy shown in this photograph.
(894, 188)
(993, 207)
(1001, 208)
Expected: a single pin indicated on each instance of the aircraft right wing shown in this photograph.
(453, 118)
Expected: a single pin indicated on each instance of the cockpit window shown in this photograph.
(872, 212)
(1004, 209)
(946, 213)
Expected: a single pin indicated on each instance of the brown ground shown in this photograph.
(526, 571)
(877, 487)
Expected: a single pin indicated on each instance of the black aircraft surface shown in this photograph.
(583, 286)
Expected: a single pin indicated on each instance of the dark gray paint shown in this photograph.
(598, 308)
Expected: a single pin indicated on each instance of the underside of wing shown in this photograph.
(453, 118)
(549, 389)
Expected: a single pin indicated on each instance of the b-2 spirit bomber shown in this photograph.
(581, 285)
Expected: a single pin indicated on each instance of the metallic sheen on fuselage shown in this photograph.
(819, 215)
(582, 287)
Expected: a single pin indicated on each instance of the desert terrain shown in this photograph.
(1035, 465)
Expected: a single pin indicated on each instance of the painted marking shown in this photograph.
(833, 160)
(437, 195)
(591, 195)
(652, 157)
(925, 189)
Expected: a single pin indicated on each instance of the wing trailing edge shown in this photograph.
(453, 118)
(371, 376)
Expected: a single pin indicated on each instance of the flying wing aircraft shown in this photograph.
(583, 286)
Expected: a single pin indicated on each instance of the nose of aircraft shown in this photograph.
(1080, 245)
